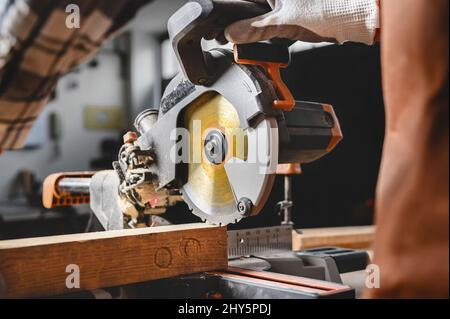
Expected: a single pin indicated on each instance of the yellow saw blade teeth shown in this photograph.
(208, 182)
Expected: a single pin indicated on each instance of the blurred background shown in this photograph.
(94, 105)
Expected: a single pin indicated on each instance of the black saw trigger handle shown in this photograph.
(198, 18)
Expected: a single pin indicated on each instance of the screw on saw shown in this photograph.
(245, 207)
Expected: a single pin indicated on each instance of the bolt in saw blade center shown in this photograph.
(216, 147)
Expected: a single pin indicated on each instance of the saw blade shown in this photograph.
(208, 191)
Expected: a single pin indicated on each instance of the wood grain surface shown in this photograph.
(345, 237)
(38, 267)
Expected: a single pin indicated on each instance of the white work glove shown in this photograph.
(311, 21)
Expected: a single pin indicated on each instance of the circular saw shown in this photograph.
(223, 126)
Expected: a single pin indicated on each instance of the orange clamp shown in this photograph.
(53, 196)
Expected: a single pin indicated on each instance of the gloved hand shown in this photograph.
(311, 21)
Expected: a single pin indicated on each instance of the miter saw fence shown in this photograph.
(223, 127)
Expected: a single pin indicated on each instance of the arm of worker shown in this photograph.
(39, 42)
(311, 21)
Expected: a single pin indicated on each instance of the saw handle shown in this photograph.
(198, 18)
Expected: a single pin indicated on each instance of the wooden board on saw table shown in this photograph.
(37, 267)
(344, 237)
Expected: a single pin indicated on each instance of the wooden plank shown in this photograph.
(37, 267)
(345, 237)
